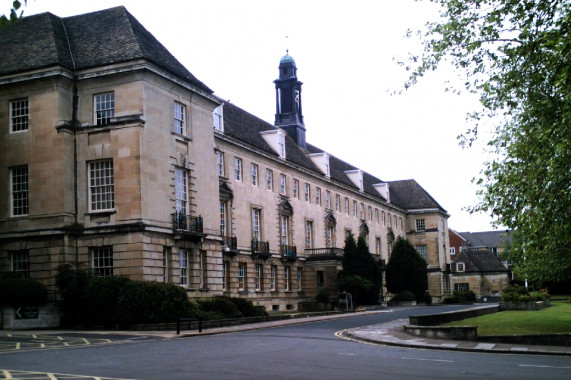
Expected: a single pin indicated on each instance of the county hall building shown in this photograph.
(115, 157)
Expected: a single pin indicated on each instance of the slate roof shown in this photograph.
(410, 195)
(115, 36)
(246, 127)
(478, 261)
(486, 239)
(95, 39)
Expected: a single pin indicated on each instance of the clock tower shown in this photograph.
(288, 101)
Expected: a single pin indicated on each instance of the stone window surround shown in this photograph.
(19, 115)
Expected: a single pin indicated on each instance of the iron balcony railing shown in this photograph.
(289, 251)
(231, 242)
(324, 251)
(261, 247)
(187, 223)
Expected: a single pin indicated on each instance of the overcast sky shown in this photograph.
(344, 51)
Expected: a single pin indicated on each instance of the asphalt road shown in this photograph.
(303, 351)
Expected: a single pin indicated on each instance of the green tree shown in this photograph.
(361, 275)
(14, 15)
(516, 56)
(406, 270)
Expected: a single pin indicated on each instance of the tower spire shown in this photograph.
(289, 114)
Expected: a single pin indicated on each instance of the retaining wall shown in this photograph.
(450, 316)
(48, 317)
(443, 332)
(518, 305)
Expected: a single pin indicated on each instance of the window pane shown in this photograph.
(20, 191)
(179, 121)
(254, 175)
(102, 259)
(181, 191)
(21, 263)
(104, 108)
(19, 115)
(101, 187)
(183, 267)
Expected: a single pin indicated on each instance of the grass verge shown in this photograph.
(551, 320)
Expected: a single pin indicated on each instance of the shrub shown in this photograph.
(404, 296)
(541, 295)
(22, 291)
(427, 298)
(151, 302)
(247, 308)
(519, 293)
(357, 286)
(219, 308)
(465, 296)
(508, 297)
(322, 296)
(449, 299)
(100, 301)
(460, 297)
(71, 282)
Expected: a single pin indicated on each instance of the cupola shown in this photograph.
(289, 114)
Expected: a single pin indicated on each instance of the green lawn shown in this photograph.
(551, 320)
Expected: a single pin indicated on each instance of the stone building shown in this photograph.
(479, 271)
(494, 241)
(113, 155)
(457, 241)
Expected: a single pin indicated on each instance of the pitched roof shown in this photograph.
(409, 194)
(479, 261)
(246, 127)
(89, 40)
(115, 36)
(487, 239)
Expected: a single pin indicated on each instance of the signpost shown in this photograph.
(27, 312)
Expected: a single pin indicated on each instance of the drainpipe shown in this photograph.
(75, 123)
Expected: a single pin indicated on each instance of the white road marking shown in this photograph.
(428, 360)
(543, 366)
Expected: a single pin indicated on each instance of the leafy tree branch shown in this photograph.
(516, 55)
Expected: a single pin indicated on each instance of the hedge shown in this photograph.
(22, 291)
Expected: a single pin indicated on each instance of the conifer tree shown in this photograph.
(406, 270)
(361, 274)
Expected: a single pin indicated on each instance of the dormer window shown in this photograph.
(321, 160)
(356, 176)
(218, 120)
(460, 267)
(281, 145)
(383, 190)
(276, 140)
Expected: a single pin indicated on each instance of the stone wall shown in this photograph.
(49, 316)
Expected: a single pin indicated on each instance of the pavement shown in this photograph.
(393, 334)
(388, 333)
